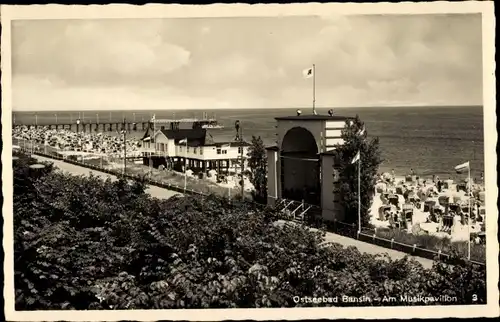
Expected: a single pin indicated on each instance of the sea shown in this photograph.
(429, 140)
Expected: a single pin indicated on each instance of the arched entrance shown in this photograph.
(300, 167)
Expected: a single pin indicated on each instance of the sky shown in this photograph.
(250, 62)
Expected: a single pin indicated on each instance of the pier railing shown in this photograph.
(337, 227)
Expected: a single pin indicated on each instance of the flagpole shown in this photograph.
(359, 195)
(185, 167)
(470, 219)
(314, 88)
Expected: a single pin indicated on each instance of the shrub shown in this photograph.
(355, 140)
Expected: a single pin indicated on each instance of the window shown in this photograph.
(224, 151)
(194, 150)
(187, 149)
(240, 149)
(219, 151)
(201, 150)
(180, 148)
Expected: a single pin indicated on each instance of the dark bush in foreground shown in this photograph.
(82, 243)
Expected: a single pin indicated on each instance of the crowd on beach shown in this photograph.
(96, 145)
(68, 142)
(434, 206)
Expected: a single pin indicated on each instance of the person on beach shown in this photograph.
(439, 185)
(412, 172)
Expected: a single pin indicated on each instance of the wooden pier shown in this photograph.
(88, 127)
(96, 127)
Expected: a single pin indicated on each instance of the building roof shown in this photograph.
(273, 148)
(189, 134)
(312, 117)
(200, 137)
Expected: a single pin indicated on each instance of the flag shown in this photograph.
(183, 141)
(308, 73)
(147, 138)
(356, 158)
(462, 167)
(153, 118)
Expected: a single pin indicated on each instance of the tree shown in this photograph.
(355, 139)
(257, 161)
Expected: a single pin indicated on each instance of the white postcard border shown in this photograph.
(9, 13)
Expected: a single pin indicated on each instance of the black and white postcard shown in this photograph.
(235, 161)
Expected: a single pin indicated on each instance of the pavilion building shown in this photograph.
(198, 148)
(302, 166)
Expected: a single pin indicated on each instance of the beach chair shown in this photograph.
(444, 200)
(447, 223)
(462, 186)
(465, 210)
(408, 215)
(435, 212)
(383, 212)
(454, 208)
(482, 211)
(393, 200)
(428, 204)
(394, 220)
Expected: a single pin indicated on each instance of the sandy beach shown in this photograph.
(439, 208)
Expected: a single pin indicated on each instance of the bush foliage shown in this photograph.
(257, 161)
(84, 243)
(355, 139)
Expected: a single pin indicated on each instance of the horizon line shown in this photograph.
(257, 108)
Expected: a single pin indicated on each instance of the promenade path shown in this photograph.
(367, 247)
(165, 194)
(154, 191)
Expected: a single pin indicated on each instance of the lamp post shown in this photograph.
(78, 125)
(239, 136)
(124, 131)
